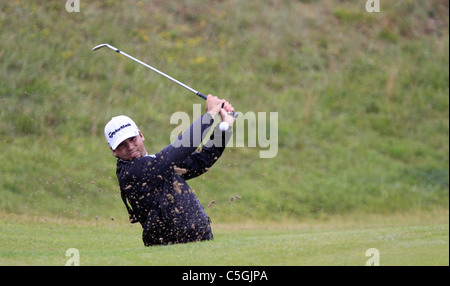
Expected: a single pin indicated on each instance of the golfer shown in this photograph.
(154, 188)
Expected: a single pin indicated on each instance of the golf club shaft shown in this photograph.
(234, 114)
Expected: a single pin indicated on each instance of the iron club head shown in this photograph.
(155, 70)
(105, 45)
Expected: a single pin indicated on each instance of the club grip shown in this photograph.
(201, 95)
(232, 113)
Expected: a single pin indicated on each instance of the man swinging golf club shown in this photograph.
(154, 188)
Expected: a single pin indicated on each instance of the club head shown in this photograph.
(105, 45)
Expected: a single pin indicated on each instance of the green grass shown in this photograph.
(363, 113)
(414, 239)
(362, 101)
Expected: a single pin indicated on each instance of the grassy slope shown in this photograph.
(362, 101)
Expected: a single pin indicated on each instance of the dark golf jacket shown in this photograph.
(155, 192)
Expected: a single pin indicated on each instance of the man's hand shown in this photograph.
(225, 113)
(215, 105)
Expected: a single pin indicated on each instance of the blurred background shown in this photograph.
(362, 102)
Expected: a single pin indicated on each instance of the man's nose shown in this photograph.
(128, 144)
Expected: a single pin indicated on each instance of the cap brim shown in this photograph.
(124, 137)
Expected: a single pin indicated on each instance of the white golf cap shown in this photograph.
(119, 129)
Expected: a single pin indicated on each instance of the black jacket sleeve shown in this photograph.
(203, 159)
(153, 168)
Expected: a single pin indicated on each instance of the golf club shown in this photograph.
(234, 114)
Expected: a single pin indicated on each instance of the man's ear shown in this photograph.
(142, 136)
(114, 152)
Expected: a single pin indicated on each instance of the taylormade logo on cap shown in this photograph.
(119, 129)
(111, 134)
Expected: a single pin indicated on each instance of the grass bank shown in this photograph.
(362, 100)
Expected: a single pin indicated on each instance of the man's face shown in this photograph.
(131, 148)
